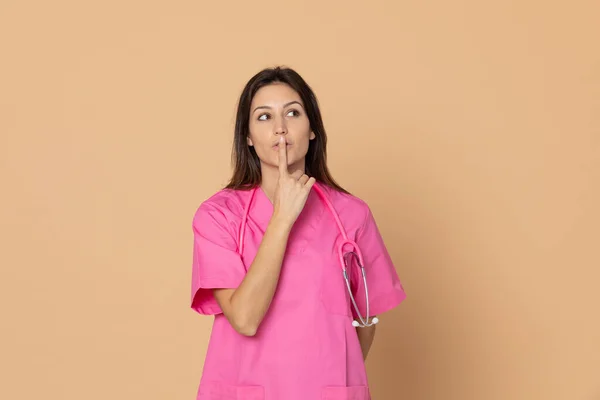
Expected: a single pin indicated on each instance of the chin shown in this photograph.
(291, 159)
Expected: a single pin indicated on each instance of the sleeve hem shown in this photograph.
(203, 301)
(387, 303)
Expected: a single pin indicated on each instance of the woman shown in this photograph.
(266, 261)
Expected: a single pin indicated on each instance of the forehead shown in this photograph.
(275, 94)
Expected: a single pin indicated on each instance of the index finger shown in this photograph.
(283, 167)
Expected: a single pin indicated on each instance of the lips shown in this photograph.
(276, 143)
(276, 147)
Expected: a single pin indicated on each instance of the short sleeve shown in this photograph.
(384, 286)
(215, 261)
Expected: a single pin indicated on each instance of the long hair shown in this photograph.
(247, 173)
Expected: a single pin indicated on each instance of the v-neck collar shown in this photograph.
(262, 193)
(306, 226)
(262, 208)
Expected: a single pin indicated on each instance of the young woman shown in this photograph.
(270, 251)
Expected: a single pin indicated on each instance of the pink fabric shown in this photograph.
(306, 347)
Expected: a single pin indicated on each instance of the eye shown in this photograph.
(294, 113)
(263, 117)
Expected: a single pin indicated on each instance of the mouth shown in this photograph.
(276, 145)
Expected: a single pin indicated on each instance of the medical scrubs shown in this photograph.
(306, 347)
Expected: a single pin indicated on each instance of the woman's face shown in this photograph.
(277, 110)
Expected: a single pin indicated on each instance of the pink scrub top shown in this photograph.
(306, 347)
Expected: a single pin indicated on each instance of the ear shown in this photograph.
(249, 141)
(312, 135)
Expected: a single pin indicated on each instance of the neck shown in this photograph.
(270, 177)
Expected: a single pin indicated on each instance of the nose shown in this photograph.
(280, 127)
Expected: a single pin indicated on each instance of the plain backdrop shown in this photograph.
(471, 128)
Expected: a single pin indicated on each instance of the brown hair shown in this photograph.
(247, 174)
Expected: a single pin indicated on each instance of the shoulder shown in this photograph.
(223, 207)
(344, 200)
(348, 206)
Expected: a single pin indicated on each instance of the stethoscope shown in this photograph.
(344, 257)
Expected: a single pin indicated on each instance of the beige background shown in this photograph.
(472, 130)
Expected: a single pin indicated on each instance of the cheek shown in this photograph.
(299, 150)
(262, 150)
(260, 139)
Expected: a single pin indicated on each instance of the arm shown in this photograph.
(246, 306)
(365, 337)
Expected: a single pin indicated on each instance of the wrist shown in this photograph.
(280, 224)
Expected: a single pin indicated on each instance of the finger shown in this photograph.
(309, 184)
(303, 179)
(283, 169)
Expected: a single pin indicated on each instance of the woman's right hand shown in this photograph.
(292, 189)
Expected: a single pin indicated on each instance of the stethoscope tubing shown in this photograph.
(364, 321)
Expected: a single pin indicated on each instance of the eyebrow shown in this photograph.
(284, 106)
